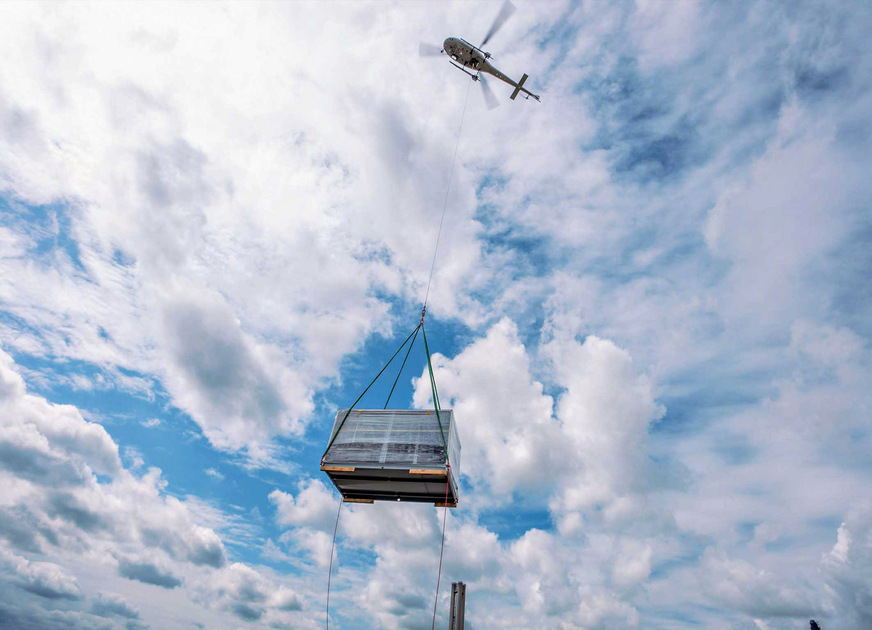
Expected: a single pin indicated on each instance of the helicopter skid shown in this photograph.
(464, 70)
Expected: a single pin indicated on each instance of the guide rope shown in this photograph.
(442, 547)
(445, 204)
(330, 570)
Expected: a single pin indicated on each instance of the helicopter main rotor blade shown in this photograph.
(490, 98)
(505, 13)
(429, 50)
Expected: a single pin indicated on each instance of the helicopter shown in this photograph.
(474, 61)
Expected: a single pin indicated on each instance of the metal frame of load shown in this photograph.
(394, 455)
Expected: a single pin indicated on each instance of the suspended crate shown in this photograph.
(394, 455)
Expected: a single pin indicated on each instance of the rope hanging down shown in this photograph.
(441, 548)
(330, 570)
(445, 204)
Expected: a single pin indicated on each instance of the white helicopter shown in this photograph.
(473, 60)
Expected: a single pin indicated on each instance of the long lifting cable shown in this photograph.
(447, 193)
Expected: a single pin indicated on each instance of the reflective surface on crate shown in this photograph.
(390, 455)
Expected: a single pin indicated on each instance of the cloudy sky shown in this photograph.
(650, 312)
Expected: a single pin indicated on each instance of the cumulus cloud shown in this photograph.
(148, 573)
(113, 604)
(846, 568)
(49, 441)
(55, 506)
(314, 506)
(222, 376)
(513, 434)
(606, 414)
(514, 431)
(759, 593)
(247, 594)
(45, 579)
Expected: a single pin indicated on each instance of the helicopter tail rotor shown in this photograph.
(429, 50)
(519, 87)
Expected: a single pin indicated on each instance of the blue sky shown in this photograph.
(650, 312)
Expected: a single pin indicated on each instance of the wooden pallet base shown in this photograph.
(373, 484)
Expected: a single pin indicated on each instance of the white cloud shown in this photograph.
(314, 506)
(45, 579)
(665, 36)
(510, 433)
(846, 568)
(98, 531)
(316, 544)
(606, 414)
(787, 198)
(113, 604)
(504, 420)
(633, 563)
(220, 375)
(758, 592)
(45, 441)
(312, 516)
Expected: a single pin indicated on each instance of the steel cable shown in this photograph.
(447, 193)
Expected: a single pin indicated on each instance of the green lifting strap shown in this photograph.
(347, 413)
(433, 387)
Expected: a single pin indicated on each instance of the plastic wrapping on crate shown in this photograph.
(401, 438)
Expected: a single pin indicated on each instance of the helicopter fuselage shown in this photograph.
(469, 56)
(464, 53)
(475, 60)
